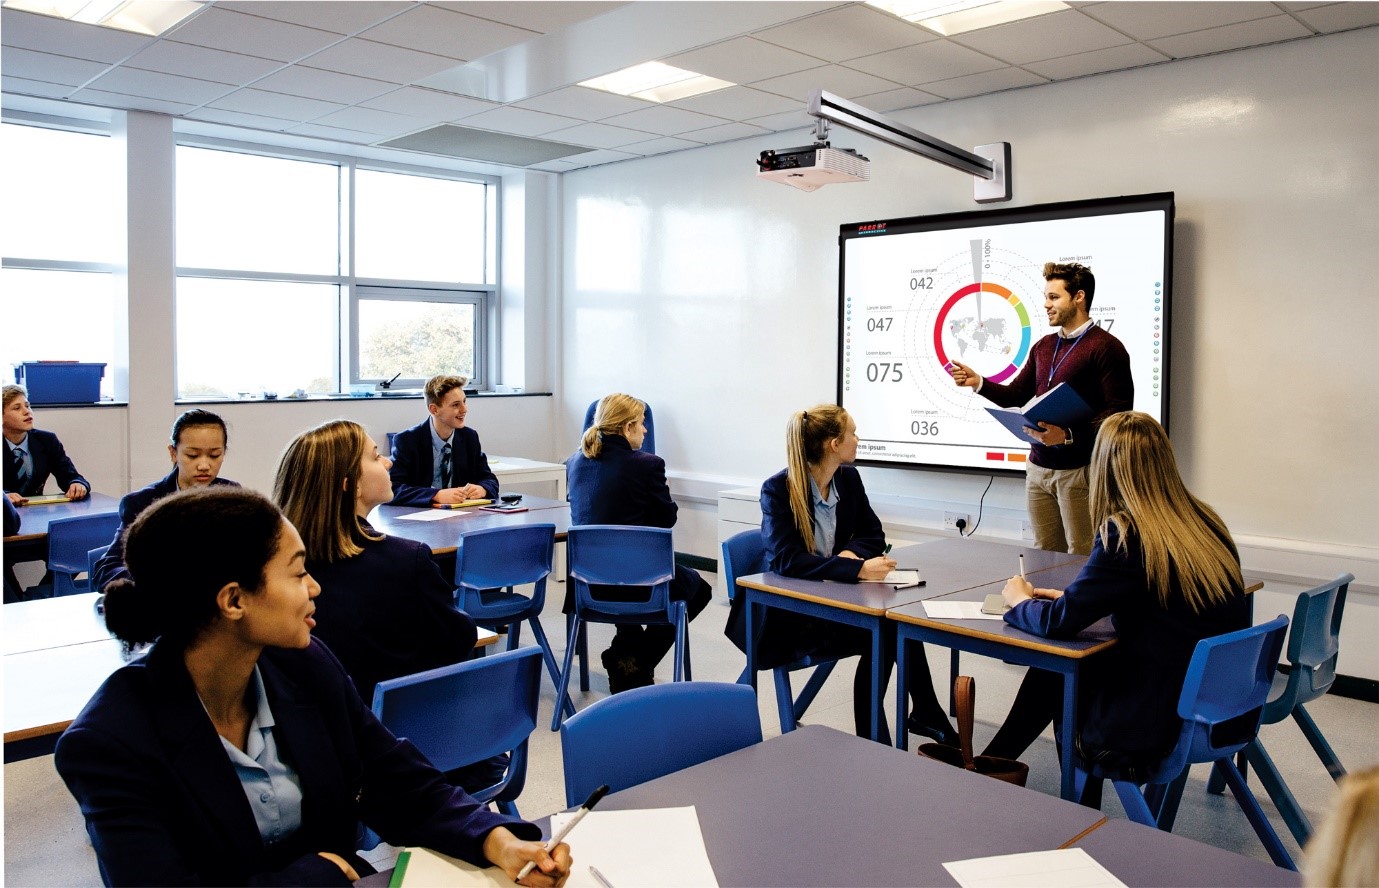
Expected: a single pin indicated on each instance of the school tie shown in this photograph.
(445, 466)
(21, 471)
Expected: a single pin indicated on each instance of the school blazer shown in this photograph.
(858, 530)
(163, 805)
(110, 566)
(49, 458)
(413, 465)
(621, 486)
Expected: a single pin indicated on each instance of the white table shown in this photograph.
(517, 470)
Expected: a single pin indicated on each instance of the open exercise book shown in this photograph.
(900, 579)
(656, 846)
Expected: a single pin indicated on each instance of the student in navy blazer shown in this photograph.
(199, 441)
(237, 752)
(611, 481)
(46, 455)
(817, 524)
(421, 473)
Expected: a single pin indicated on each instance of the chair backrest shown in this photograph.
(1314, 642)
(504, 556)
(648, 444)
(646, 732)
(1224, 693)
(621, 555)
(94, 555)
(70, 539)
(743, 553)
(465, 713)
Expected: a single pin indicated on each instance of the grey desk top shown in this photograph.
(34, 519)
(1142, 856)
(442, 535)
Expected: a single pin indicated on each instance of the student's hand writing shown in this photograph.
(77, 491)
(1017, 589)
(17, 499)
(964, 375)
(1048, 435)
(342, 863)
(510, 853)
(876, 568)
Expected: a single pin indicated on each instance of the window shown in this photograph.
(58, 237)
(263, 259)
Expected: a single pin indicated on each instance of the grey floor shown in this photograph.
(45, 842)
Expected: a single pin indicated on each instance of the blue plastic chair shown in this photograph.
(745, 553)
(1314, 643)
(1222, 702)
(92, 556)
(620, 555)
(646, 732)
(489, 563)
(648, 444)
(69, 542)
(471, 711)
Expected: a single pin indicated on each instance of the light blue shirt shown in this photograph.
(272, 786)
(825, 518)
(23, 448)
(437, 444)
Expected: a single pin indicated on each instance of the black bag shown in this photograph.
(1009, 770)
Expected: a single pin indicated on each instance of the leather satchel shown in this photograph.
(1009, 770)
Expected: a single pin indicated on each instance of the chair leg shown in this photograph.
(1216, 783)
(746, 676)
(1262, 827)
(562, 691)
(689, 673)
(785, 701)
(514, 634)
(549, 656)
(1319, 744)
(508, 808)
(679, 652)
(812, 687)
(1282, 796)
(583, 637)
(1136, 808)
(1172, 795)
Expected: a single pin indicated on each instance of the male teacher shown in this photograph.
(440, 461)
(1097, 367)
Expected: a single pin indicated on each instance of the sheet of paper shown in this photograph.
(957, 610)
(432, 515)
(657, 846)
(1066, 868)
(899, 578)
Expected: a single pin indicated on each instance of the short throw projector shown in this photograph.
(810, 167)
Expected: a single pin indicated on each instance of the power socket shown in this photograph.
(951, 519)
(1026, 530)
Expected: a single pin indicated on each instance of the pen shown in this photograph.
(1022, 565)
(559, 837)
(887, 550)
(602, 879)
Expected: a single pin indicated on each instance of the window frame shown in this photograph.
(374, 289)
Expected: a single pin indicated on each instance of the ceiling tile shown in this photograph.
(428, 104)
(153, 85)
(184, 59)
(985, 82)
(602, 156)
(334, 133)
(136, 103)
(916, 65)
(1043, 37)
(598, 135)
(1148, 20)
(788, 120)
(46, 67)
(542, 16)
(1131, 55)
(1269, 30)
(736, 103)
(367, 120)
(896, 99)
(23, 87)
(379, 61)
(519, 121)
(743, 60)
(75, 40)
(555, 166)
(846, 34)
(726, 133)
(451, 34)
(664, 120)
(1340, 16)
(336, 16)
(265, 38)
(271, 104)
(329, 86)
(837, 79)
(581, 101)
(239, 118)
(662, 145)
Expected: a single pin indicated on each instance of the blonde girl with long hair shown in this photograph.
(1164, 569)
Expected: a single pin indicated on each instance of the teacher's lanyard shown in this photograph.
(1055, 361)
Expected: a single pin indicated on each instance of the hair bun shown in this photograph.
(130, 615)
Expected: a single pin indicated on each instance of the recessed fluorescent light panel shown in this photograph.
(949, 17)
(151, 17)
(656, 82)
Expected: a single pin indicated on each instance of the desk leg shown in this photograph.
(1066, 736)
(878, 688)
(751, 616)
(902, 691)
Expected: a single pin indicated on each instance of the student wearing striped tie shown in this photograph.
(31, 454)
(440, 461)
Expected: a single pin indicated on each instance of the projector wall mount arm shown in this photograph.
(990, 164)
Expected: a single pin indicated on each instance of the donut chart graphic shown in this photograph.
(1026, 334)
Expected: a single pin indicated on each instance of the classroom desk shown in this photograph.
(947, 566)
(517, 470)
(442, 535)
(34, 520)
(1143, 856)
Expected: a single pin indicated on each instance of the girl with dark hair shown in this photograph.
(237, 752)
(197, 449)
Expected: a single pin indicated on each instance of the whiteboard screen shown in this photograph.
(916, 293)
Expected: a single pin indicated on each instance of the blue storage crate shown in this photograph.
(60, 382)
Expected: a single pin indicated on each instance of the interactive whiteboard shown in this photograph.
(916, 293)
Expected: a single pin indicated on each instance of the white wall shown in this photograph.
(714, 295)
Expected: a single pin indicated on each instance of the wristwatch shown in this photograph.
(1067, 437)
